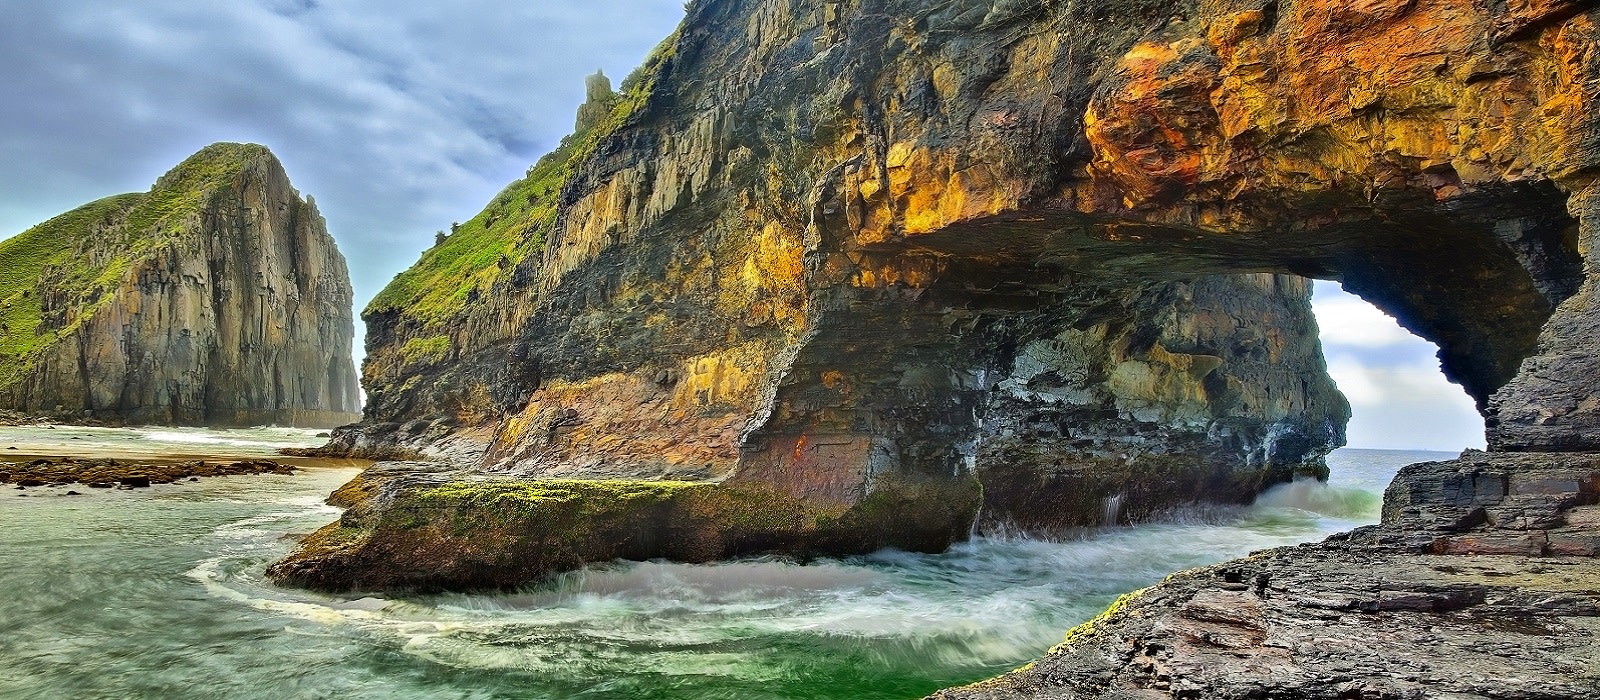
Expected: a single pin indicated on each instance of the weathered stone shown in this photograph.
(1358, 616)
(823, 247)
(1552, 404)
(217, 298)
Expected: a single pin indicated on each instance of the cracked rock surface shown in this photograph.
(1481, 582)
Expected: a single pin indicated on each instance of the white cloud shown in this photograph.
(1406, 407)
(1348, 321)
(1398, 396)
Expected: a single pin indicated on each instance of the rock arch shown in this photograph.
(827, 248)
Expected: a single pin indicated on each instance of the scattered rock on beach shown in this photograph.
(110, 473)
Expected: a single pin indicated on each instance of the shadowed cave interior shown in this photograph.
(931, 365)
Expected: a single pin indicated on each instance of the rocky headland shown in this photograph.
(826, 276)
(215, 299)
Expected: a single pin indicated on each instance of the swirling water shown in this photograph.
(159, 594)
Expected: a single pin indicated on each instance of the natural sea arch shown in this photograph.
(963, 184)
(823, 234)
(900, 376)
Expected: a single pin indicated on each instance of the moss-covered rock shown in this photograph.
(408, 532)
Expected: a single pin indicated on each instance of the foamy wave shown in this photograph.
(224, 440)
(1314, 496)
(187, 438)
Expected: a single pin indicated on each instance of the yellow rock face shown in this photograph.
(1353, 97)
(837, 241)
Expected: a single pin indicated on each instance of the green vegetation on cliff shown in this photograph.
(488, 245)
(515, 224)
(185, 189)
(24, 260)
(57, 274)
(428, 350)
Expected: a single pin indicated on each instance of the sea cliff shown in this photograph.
(217, 298)
(928, 263)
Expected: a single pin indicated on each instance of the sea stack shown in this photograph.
(217, 298)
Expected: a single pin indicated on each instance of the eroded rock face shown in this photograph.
(1552, 404)
(817, 243)
(1480, 583)
(217, 298)
(1209, 390)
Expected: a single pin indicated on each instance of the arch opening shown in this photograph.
(1399, 398)
(1067, 358)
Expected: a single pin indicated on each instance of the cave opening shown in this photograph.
(1067, 358)
(1399, 397)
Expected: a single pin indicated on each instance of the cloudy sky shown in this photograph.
(400, 117)
(1398, 395)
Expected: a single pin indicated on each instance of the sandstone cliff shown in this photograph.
(217, 298)
(879, 251)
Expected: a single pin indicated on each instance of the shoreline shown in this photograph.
(1482, 581)
(44, 454)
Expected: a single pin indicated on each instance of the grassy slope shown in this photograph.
(24, 258)
(513, 226)
(120, 229)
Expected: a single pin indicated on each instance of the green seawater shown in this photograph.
(159, 594)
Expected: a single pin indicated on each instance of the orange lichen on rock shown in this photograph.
(1338, 96)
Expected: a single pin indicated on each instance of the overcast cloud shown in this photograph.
(401, 117)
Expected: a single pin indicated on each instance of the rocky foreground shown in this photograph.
(1481, 582)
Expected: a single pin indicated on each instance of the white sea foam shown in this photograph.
(987, 603)
(1314, 496)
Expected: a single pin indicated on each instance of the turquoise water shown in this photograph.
(158, 594)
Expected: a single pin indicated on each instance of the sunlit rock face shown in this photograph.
(841, 247)
(215, 299)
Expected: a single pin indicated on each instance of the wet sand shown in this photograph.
(133, 448)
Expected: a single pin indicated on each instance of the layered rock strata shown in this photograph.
(839, 249)
(1481, 582)
(217, 298)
